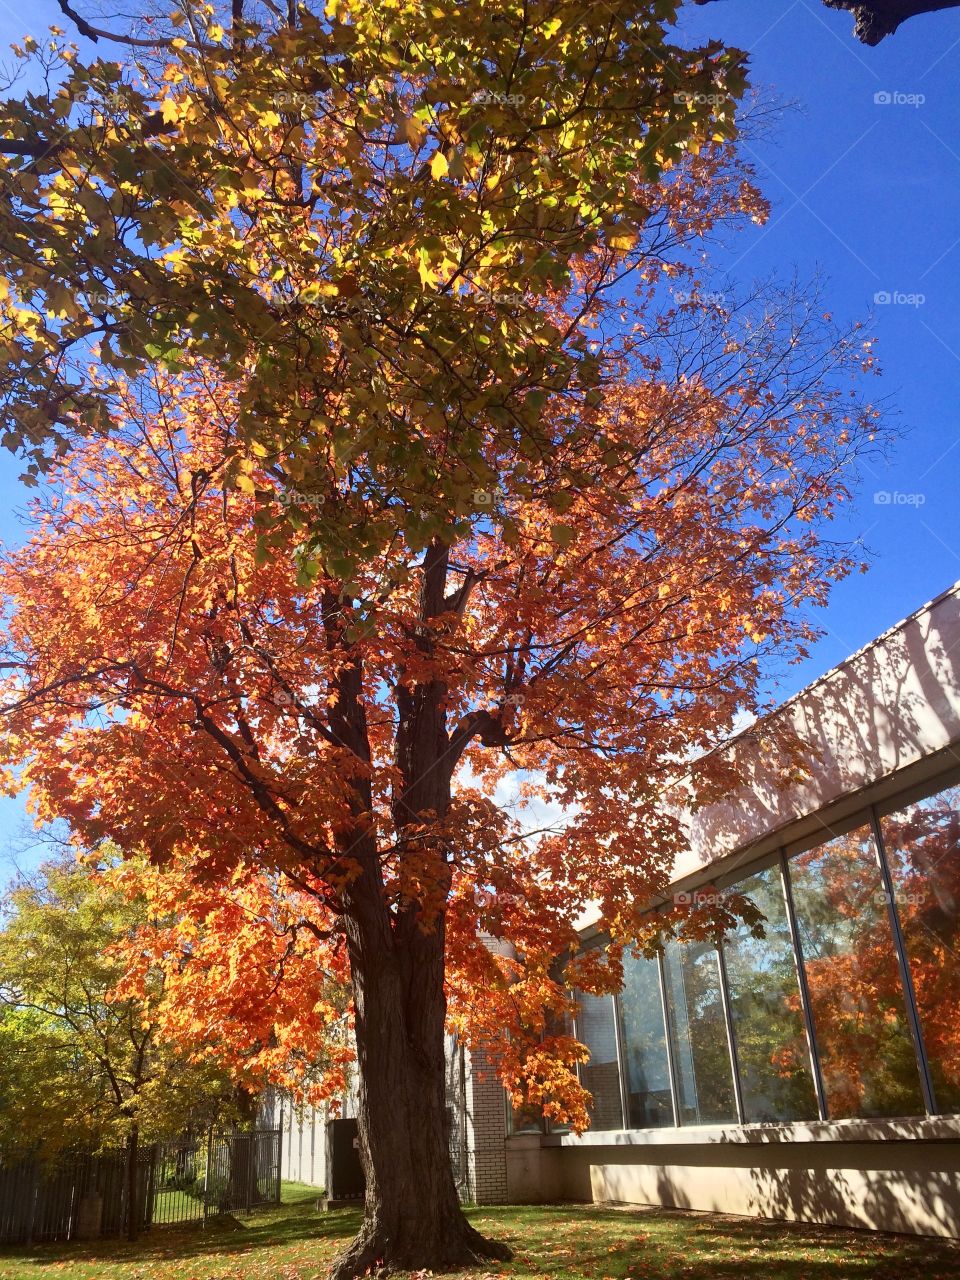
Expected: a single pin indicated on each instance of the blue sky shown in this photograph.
(863, 171)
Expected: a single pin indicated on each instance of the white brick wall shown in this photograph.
(487, 1132)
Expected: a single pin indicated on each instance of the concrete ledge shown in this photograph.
(919, 1128)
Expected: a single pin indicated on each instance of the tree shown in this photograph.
(251, 983)
(178, 691)
(80, 1067)
(401, 477)
(876, 19)
(137, 1004)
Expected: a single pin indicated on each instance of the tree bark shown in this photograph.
(412, 1220)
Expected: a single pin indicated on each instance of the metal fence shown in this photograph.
(188, 1180)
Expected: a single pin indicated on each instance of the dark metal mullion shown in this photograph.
(668, 1041)
(731, 1035)
(621, 1065)
(805, 1003)
(903, 963)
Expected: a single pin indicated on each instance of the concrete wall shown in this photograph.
(537, 1172)
(893, 1177)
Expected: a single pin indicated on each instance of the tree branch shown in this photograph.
(876, 19)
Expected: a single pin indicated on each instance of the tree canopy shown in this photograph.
(80, 1066)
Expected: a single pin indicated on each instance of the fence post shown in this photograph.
(34, 1198)
(206, 1174)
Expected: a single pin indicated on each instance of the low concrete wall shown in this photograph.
(900, 1183)
(535, 1172)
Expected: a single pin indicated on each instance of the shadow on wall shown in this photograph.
(907, 1187)
(886, 708)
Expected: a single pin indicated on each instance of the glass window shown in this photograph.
(645, 1045)
(596, 1028)
(922, 843)
(866, 1050)
(698, 1034)
(524, 1119)
(772, 1051)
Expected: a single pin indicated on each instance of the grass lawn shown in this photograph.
(571, 1242)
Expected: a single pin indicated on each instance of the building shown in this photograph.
(813, 1074)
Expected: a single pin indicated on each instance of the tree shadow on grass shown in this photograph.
(226, 1234)
(589, 1241)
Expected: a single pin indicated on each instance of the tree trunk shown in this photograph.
(412, 1219)
(412, 1215)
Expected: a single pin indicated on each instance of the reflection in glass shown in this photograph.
(525, 1118)
(922, 843)
(645, 1045)
(772, 1051)
(596, 1028)
(698, 1034)
(866, 1052)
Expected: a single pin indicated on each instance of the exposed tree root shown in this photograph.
(418, 1246)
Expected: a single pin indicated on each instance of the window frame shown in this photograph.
(869, 814)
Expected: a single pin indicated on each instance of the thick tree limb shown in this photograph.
(875, 19)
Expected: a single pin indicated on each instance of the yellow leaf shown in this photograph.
(438, 165)
(215, 33)
(415, 132)
(170, 111)
(428, 276)
(245, 484)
